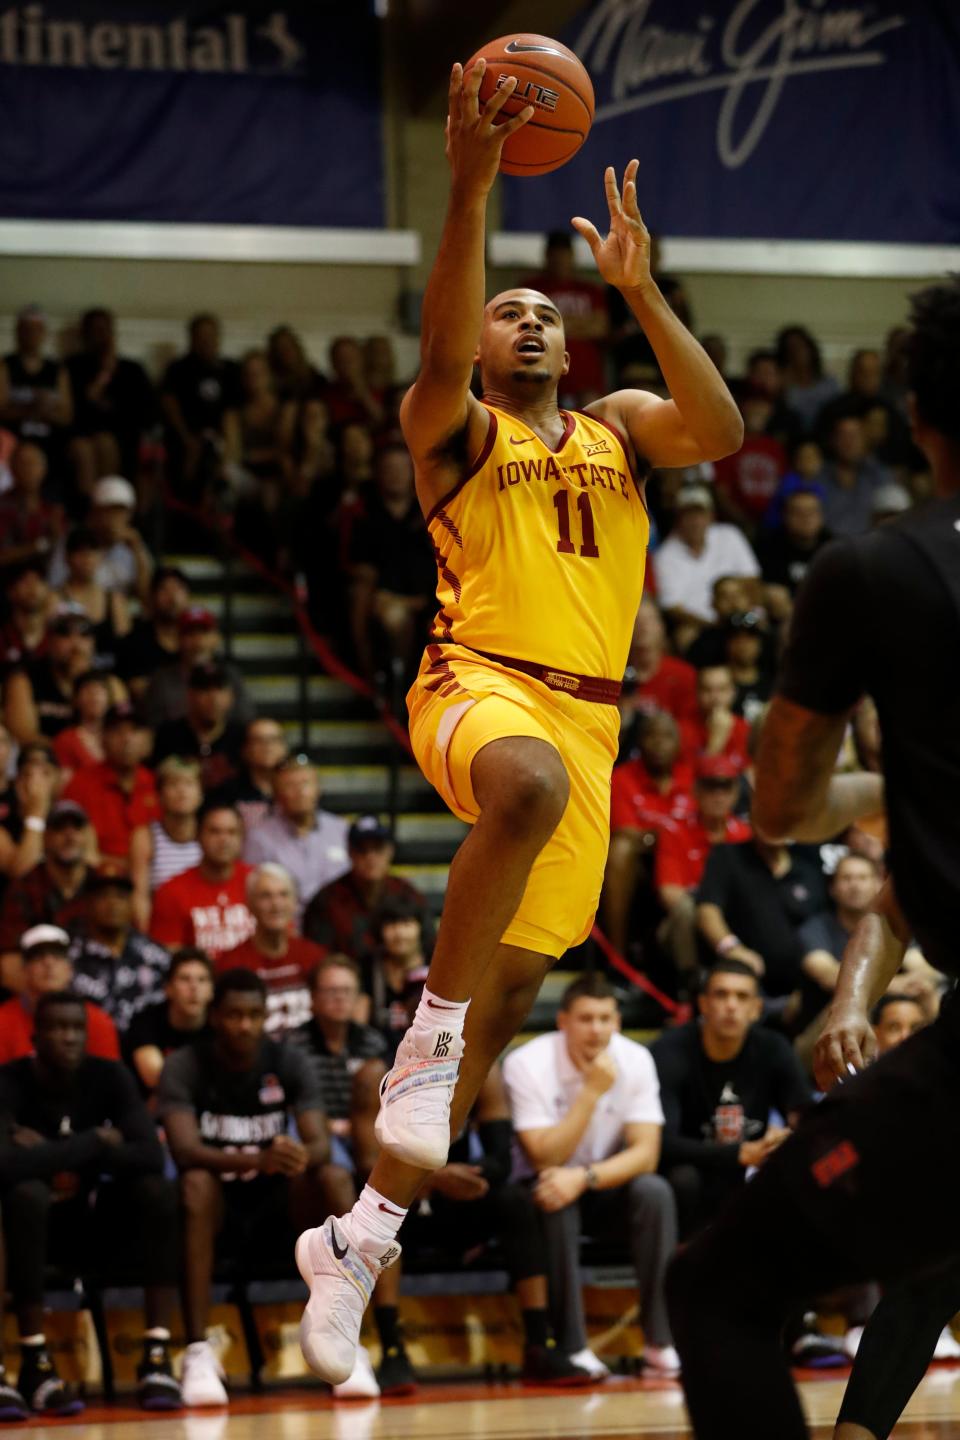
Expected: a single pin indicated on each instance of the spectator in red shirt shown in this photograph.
(586, 321)
(747, 481)
(207, 906)
(716, 729)
(281, 959)
(655, 680)
(682, 850)
(48, 967)
(646, 792)
(80, 746)
(343, 915)
(120, 793)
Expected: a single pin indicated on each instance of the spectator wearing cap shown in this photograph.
(752, 900)
(681, 855)
(52, 892)
(648, 791)
(889, 502)
(716, 730)
(23, 635)
(398, 962)
(167, 696)
(251, 791)
(126, 564)
(35, 397)
(207, 906)
(310, 843)
(38, 695)
(47, 968)
(343, 915)
(106, 609)
(120, 793)
(80, 746)
(114, 964)
(114, 403)
(206, 733)
(35, 789)
(697, 552)
(167, 845)
(282, 959)
(30, 526)
(179, 1019)
(154, 640)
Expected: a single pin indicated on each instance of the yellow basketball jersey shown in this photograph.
(541, 553)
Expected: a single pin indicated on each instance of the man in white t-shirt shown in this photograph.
(697, 552)
(585, 1105)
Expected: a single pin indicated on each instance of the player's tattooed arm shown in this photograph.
(797, 795)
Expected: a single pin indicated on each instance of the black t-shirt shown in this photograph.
(334, 1071)
(127, 399)
(765, 911)
(248, 798)
(219, 759)
(153, 1026)
(204, 390)
(400, 551)
(784, 562)
(140, 653)
(710, 1108)
(880, 614)
(241, 1110)
(54, 708)
(99, 1093)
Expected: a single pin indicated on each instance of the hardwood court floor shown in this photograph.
(620, 1408)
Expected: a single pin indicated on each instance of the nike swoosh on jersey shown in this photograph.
(521, 440)
(519, 47)
(340, 1254)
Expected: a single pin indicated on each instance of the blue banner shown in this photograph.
(240, 114)
(783, 119)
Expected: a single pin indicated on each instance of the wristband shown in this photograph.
(591, 1177)
(728, 943)
(34, 823)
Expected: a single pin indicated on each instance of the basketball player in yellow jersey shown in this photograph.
(540, 529)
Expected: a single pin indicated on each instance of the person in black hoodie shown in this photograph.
(68, 1120)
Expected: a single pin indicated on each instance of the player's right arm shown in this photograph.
(439, 416)
(873, 956)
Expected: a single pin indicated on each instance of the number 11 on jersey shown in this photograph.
(588, 547)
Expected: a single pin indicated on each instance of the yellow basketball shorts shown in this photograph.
(461, 702)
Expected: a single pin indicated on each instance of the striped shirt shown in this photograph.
(335, 1071)
(170, 857)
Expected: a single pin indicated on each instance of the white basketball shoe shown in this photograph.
(415, 1098)
(340, 1276)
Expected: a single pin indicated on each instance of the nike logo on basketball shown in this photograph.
(517, 47)
(520, 440)
(340, 1254)
(441, 1048)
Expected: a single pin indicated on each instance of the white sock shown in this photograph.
(376, 1219)
(434, 1013)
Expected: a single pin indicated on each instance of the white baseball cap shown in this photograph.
(43, 937)
(114, 490)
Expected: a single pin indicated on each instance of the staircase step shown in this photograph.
(253, 612)
(197, 567)
(431, 880)
(353, 735)
(270, 690)
(265, 645)
(439, 829)
(355, 789)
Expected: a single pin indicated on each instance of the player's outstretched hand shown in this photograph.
(474, 139)
(847, 1039)
(623, 258)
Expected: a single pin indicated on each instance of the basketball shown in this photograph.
(552, 79)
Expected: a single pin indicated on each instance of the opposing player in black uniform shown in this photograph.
(867, 1186)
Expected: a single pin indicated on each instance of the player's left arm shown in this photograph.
(701, 420)
(797, 795)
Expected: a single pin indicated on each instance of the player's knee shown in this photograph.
(199, 1193)
(535, 799)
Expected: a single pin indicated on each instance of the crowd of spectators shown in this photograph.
(205, 973)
